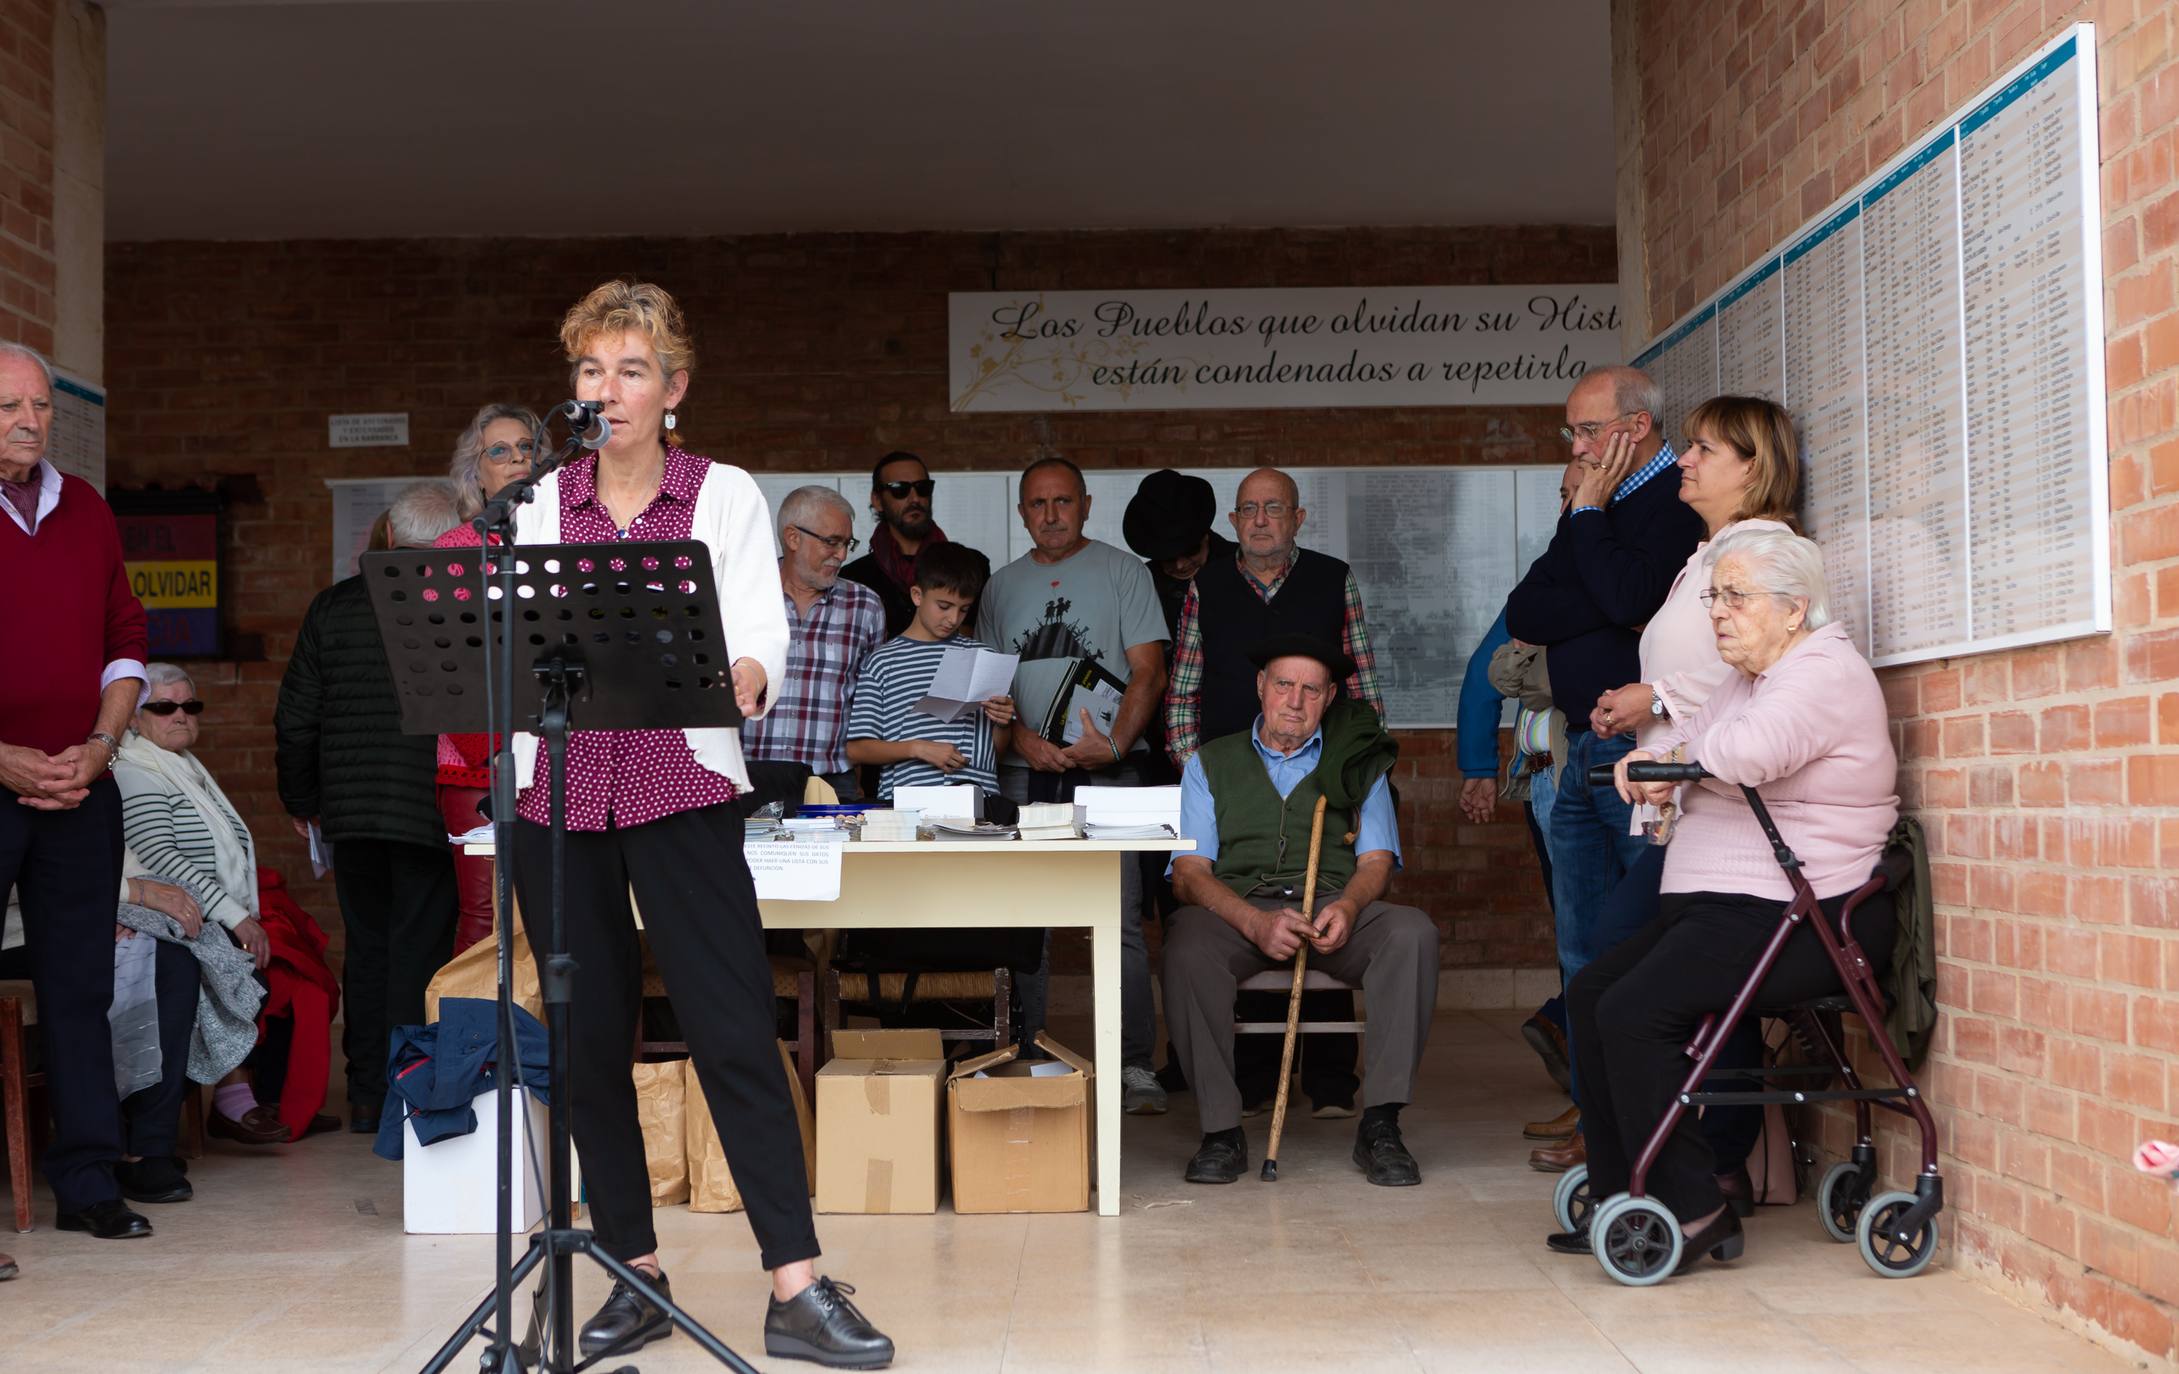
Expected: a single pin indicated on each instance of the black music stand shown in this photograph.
(628, 633)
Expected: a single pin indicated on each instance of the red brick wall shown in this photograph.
(2048, 777)
(26, 172)
(814, 352)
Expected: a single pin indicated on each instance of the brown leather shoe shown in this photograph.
(7, 1267)
(1559, 1128)
(1557, 1159)
(258, 1126)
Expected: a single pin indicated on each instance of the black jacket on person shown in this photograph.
(1604, 575)
(341, 756)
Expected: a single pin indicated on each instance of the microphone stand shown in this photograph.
(559, 1243)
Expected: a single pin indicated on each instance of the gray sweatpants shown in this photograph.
(1392, 955)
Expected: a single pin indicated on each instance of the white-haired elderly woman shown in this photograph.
(498, 446)
(833, 624)
(1800, 719)
(179, 824)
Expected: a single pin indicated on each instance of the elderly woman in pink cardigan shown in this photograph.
(1802, 720)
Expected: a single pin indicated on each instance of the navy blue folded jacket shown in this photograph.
(436, 1071)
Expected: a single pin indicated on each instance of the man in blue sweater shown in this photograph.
(1610, 564)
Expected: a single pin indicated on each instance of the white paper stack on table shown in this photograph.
(1047, 821)
(949, 828)
(965, 680)
(895, 824)
(960, 801)
(1129, 813)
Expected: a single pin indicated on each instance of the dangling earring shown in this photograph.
(670, 420)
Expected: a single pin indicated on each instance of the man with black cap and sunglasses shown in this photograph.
(1246, 801)
(900, 501)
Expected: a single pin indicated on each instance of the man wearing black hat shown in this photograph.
(1269, 585)
(1246, 802)
(900, 499)
(1168, 525)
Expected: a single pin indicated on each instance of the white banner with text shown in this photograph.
(1277, 348)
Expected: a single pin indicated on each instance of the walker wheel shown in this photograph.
(1637, 1240)
(1840, 1199)
(1571, 1202)
(1890, 1254)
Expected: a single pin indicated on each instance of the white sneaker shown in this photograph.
(1140, 1092)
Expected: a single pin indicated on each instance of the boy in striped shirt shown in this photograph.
(884, 727)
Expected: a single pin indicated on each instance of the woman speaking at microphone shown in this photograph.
(652, 809)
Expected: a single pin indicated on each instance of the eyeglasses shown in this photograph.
(1270, 510)
(1734, 598)
(838, 543)
(1589, 431)
(899, 490)
(500, 453)
(167, 708)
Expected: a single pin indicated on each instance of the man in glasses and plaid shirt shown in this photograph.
(833, 625)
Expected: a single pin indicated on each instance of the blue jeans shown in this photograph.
(1590, 847)
(1543, 789)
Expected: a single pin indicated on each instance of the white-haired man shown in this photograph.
(832, 625)
(76, 645)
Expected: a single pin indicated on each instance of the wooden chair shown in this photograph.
(1281, 981)
(18, 1008)
(995, 986)
(788, 980)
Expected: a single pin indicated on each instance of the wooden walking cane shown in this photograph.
(1293, 998)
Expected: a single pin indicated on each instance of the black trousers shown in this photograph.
(1631, 1013)
(700, 916)
(398, 904)
(151, 1117)
(66, 867)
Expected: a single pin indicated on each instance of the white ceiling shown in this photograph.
(250, 119)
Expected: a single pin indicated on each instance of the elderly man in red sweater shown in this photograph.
(72, 683)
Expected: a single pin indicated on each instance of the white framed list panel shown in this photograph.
(1938, 335)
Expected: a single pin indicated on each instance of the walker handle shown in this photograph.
(1649, 770)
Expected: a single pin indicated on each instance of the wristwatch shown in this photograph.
(113, 746)
(1657, 703)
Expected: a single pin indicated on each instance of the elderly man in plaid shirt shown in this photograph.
(833, 625)
(1270, 586)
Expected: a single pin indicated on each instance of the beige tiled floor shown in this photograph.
(296, 1260)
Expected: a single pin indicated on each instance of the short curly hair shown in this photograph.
(619, 306)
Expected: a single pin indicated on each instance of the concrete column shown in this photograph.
(79, 188)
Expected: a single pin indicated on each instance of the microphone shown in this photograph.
(591, 429)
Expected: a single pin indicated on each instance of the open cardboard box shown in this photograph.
(878, 1121)
(1020, 1132)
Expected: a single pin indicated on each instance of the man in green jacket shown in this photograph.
(1246, 802)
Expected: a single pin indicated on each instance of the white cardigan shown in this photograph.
(735, 523)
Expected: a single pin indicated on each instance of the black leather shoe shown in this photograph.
(1721, 1240)
(1569, 1242)
(627, 1322)
(1739, 1191)
(1221, 1158)
(152, 1179)
(1380, 1153)
(821, 1325)
(108, 1220)
(363, 1122)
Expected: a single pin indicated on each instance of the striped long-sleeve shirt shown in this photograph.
(173, 840)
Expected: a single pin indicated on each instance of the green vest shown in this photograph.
(1263, 839)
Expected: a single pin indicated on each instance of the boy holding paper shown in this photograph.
(887, 724)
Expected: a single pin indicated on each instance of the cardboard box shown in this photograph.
(878, 1122)
(711, 1183)
(1020, 1132)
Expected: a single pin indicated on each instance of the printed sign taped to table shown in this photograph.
(794, 871)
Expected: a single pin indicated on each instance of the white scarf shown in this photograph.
(234, 853)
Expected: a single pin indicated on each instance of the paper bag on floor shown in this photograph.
(711, 1184)
(660, 1108)
(475, 973)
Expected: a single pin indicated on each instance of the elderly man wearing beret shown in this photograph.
(1246, 802)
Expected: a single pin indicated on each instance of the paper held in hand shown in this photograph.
(1088, 686)
(967, 677)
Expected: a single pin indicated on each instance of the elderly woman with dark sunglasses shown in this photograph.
(180, 825)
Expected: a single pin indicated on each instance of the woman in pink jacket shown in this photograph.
(1800, 718)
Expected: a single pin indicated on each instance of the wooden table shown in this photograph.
(923, 884)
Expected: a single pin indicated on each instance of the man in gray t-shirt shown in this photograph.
(1067, 599)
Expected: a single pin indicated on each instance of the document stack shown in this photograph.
(1047, 821)
(1129, 813)
(950, 828)
(890, 824)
